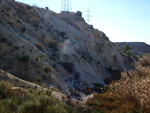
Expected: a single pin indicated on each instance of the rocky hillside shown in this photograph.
(138, 48)
(62, 50)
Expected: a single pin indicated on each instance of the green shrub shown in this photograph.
(46, 8)
(88, 90)
(86, 56)
(43, 75)
(99, 88)
(29, 7)
(37, 58)
(23, 29)
(43, 104)
(44, 85)
(68, 66)
(54, 65)
(53, 46)
(17, 47)
(127, 50)
(62, 34)
(10, 105)
(29, 106)
(3, 39)
(47, 69)
(37, 101)
(24, 59)
(129, 53)
(39, 79)
(5, 88)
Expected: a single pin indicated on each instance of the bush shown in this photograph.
(39, 79)
(39, 46)
(24, 59)
(130, 94)
(30, 106)
(68, 66)
(37, 101)
(77, 76)
(29, 7)
(88, 90)
(47, 69)
(43, 104)
(23, 29)
(43, 75)
(134, 86)
(62, 34)
(144, 62)
(37, 58)
(107, 103)
(46, 8)
(127, 50)
(9, 105)
(44, 85)
(99, 88)
(17, 47)
(53, 46)
(5, 88)
(3, 39)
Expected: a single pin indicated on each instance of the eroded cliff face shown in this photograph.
(56, 49)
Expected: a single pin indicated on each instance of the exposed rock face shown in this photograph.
(55, 49)
(138, 48)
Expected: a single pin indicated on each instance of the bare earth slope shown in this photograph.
(41, 46)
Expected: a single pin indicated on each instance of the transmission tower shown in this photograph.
(88, 15)
(66, 6)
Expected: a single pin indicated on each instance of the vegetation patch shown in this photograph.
(3, 40)
(36, 101)
(37, 58)
(134, 86)
(127, 51)
(47, 69)
(86, 56)
(5, 88)
(39, 46)
(115, 75)
(77, 76)
(99, 88)
(88, 90)
(62, 34)
(23, 29)
(53, 46)
(68, 66)
(29, 7)
(107, 103)
(16, 47)
(24, 58)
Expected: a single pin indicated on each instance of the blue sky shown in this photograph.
(120, 20)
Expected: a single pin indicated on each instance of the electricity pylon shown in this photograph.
(66, 6)
(88, 15)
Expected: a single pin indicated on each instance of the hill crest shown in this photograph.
(44, 47)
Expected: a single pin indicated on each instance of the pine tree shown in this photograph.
(127, 50)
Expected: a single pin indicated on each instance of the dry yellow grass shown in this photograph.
(147, 55)
(134, 85)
